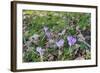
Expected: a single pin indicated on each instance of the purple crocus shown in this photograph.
(40, 50)
(47, 32)
(60, 43)
(71, 40)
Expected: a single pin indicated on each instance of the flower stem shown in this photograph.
(41, 58)
(59, 53)
(70, 50)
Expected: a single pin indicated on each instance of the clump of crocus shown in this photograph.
(60, 44)
(71, 40)
(41, 52)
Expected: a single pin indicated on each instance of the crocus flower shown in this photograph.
(45, 28)
(47, 32)
(71, 40)
(40, 51)
(60, 43)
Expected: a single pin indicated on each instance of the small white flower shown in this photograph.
(45, 28)
(40, 50)
(35, 37)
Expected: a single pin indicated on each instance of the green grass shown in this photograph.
(34, 22)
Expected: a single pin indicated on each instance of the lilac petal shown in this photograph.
(60, 43)
(48, 35)
(71, 40)
(40, 50)
(70, 44)
(74, 40)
